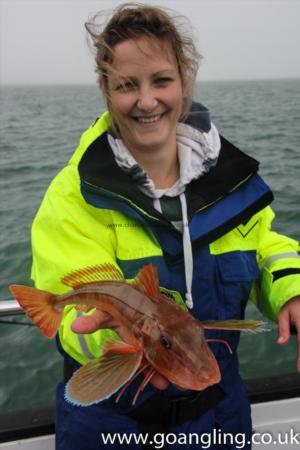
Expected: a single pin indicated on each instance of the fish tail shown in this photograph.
(39, 307)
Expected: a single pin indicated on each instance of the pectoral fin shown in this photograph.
(102, 377)
(235, 325)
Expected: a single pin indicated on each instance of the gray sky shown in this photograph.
(43, 41)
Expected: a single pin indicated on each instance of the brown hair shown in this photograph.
(134, 20)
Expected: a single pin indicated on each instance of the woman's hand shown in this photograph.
(290, 316)
(99, 320)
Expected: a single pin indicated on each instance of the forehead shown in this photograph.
(143, 54)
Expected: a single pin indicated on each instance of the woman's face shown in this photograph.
(145, 94)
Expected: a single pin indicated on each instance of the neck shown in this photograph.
(163, 173)
(162, 167)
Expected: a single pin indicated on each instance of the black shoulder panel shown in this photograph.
(232, 168)
(99, 168)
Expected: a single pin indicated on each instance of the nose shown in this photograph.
(147, 100)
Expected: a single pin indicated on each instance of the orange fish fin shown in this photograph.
(235, 325)
(92, 274)
(119, 347)
(39, 307)
(102, 377)
(147, 281)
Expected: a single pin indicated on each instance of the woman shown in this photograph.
(153, 182)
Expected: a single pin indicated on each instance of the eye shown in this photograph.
(125, 87)
(165, 341)
(162, 81)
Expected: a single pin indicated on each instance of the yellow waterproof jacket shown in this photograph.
(84, 221)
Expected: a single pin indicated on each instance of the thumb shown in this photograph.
(89, 324)
(283, 327)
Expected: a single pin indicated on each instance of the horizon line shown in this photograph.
(207, 80)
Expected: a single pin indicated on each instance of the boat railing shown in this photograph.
(23, 424)
(10, 308)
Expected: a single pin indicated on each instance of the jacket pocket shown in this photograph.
(236, 272)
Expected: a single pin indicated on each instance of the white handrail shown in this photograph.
(10, 308)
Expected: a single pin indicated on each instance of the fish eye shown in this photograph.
(165, 341)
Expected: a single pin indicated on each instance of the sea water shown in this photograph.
(40, 127)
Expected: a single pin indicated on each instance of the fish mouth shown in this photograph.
(190, 379)
(202, 384)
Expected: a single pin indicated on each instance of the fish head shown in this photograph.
(177, 349)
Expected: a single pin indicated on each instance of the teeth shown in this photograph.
(148, 119)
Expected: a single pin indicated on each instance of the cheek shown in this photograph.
(120, 104)
(175, 98)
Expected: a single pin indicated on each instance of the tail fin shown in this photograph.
(39, 307)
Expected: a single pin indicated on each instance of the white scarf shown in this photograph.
(197, 153)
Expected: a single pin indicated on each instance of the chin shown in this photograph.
(148, 143)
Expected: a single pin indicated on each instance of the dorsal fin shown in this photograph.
(92, 274)
(147, 281)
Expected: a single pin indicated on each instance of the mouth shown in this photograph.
(148, 119)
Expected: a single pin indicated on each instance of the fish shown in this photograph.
(159, 336)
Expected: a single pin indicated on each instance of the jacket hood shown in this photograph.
(98, 167)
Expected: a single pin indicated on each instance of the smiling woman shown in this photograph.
(153, 183)
(147, 74)
(146, 22)
(145, 101)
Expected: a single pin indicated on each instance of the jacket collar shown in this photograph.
(98, 168)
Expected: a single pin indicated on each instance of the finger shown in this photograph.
(89, 324)
(283, 326)
(159, 381)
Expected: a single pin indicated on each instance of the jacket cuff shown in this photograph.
(278, 288)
